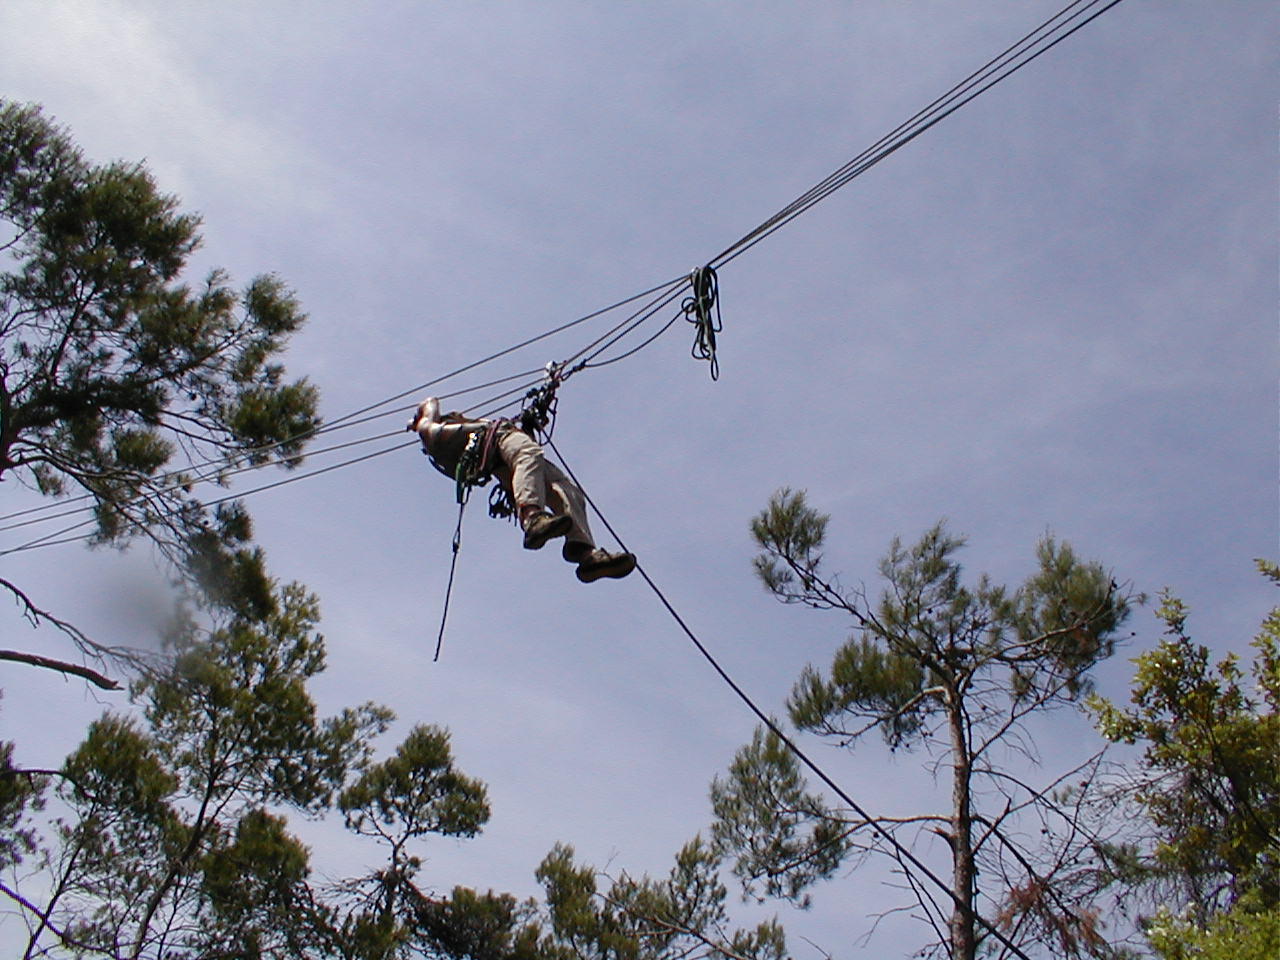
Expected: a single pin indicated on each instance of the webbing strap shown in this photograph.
(475, 465)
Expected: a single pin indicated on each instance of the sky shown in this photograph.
(1054, 312)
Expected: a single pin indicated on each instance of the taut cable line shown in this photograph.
(218, 478)
(1039, 41)
(49, 539)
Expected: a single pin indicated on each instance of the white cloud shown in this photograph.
(129, 85)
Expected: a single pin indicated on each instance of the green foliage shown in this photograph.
(1208, 781)
(166, 846)
(19, 793)
(938, 664)
(416, 792)
(486, 926)
(863, 675)
(1234, 935)
(237, 715)
(255, 892)
(682, 915)
(779, 832)
(117, 769)
(419, 791)
(117, 379)
(1068, 610)
(791, 534)
(171, 836)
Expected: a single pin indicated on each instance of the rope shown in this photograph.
(519, 346)
(49, 540)
(962, 93)
(697, 310)
(218, 477)
(777, 731)
(670, 292)
(448, 590)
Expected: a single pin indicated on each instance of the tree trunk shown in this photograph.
(964, 944)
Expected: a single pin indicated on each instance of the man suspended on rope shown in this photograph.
(533, 482)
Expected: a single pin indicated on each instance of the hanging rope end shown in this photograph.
(702, 309)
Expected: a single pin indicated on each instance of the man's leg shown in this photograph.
(527, 467)
(579, 548)
(564, 496)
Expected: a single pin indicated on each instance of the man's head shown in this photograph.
(426, 411)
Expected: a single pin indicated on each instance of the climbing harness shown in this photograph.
(475, 466)
(698, 310)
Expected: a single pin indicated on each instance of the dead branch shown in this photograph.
(62, 666)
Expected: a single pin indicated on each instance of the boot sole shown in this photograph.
(615, 569)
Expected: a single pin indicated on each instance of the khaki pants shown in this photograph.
(535, 481)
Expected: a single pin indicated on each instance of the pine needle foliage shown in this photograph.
(957, 672)
(120, 380)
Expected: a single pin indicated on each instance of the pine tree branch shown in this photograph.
(36, 616)
(672, 927)
(62, 935)
(62, 666)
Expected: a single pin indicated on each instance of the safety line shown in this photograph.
(960, 87)
(669, 293)
(868, 158)
(902, 850)
(518, 346)
(48, 541)
(208, 478)
(636, 349)
(652, 309)
(453, 566)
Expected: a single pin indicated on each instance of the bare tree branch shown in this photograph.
(62, 666)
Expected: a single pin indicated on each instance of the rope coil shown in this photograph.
(702, 309)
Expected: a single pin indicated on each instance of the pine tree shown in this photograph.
(955, 671)
(121, 383)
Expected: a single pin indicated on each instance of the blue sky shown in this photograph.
(1056, 311)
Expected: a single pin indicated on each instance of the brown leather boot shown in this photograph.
(601, 563)
(541, 527)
